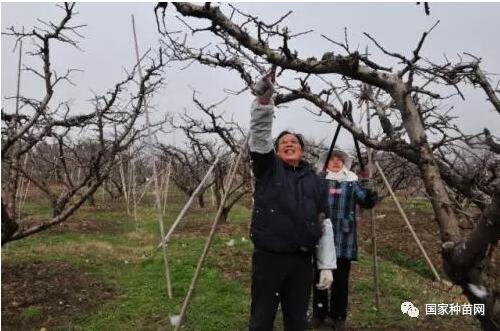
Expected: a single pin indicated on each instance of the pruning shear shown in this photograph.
(347, 112)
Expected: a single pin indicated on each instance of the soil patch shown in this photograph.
(78, 225)
(234, 263)
(88, 226)
(39, 295)
(202, 227)
(394, 240)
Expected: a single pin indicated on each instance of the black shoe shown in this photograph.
(339, 325)
(314, 323)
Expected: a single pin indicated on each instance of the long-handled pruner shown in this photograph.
(358, 152)
(332, 145)
(347, 112)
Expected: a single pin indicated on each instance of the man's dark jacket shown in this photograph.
(288, 204)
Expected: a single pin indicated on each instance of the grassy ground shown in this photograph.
(107, 245)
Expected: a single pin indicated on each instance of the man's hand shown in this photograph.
(264, 88)
(325, 280)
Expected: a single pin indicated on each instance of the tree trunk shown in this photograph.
(9, 225)
(464, 261)
(201, 200)
(434, 185)
(12, 188)
(469, 265)
(91, 200)
(224, 216)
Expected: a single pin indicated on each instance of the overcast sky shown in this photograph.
(108, 49)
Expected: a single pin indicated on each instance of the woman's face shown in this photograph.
(335, 164)
(289, 149)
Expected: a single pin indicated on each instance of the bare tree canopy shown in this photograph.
(208, 138)
(41, 137)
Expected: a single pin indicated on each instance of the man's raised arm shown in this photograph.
(261, 123)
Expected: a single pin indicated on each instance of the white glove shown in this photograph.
(264, 88)
(325, 279)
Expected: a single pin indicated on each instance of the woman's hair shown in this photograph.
(299, 137)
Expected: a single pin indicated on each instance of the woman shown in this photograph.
(344, 192)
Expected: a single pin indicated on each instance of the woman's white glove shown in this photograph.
(325, 280)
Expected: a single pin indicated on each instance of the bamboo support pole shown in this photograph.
(146, 186)
(103, 191)
(208, 243)
(124, 186)
(18, 92)
(18, 86)
(167, 187)
(155, 172)
(408, 224)
(161, 178)
(18, 196)
(134, 191)
(20, 189)
(23, 198)
(184, 210)
(371, 218)
(212, 194)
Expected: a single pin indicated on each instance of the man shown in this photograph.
(287, 221)
(344, 192)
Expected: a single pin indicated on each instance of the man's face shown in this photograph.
(335, 164)
(289, 149)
